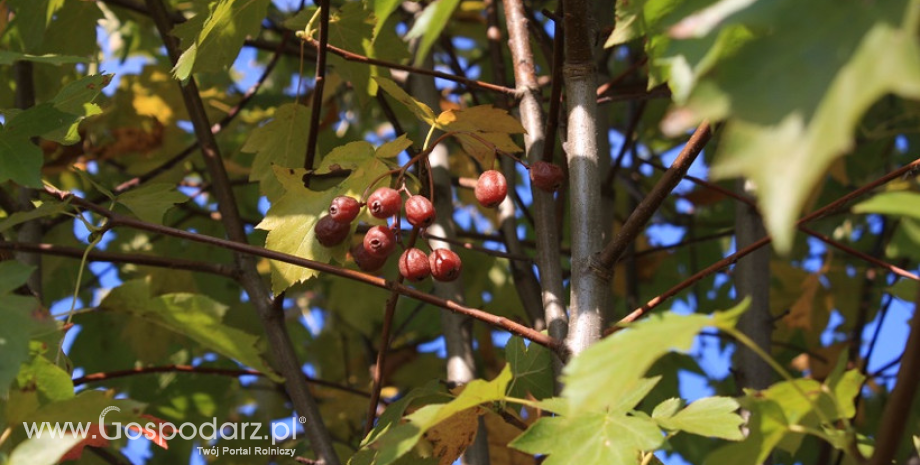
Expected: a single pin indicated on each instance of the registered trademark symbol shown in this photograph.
(302, 420)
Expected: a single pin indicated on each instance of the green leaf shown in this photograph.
(20, 160)
(667, 408)
(532, 368)
(401, 439)
(43, 449)
(382, 10)
(52, 383)
(845, 387)
(18, 325)
(72, 29)
(280, 142)
(13, 274)
(595, 438)
(420, 110)
(710, 417)
(220, 37)
(611, 369)
(429, 25)
(766, 427)
(896, 203)
(290, 220)
(44, 210)
(195, 316)
(394, 412)
(788, 123)
(31, 19)
(150, 201)
(394, 147)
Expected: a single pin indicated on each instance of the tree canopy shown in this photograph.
(499, 232)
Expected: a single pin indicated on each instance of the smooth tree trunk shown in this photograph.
(752, 279)
(590, 282)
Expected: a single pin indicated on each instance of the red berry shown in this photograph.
(413, 265)
(365, 260)
(491, 189)
(330, 232)
(384, 202)
(546, 176)
(380, 241)
(419, 211)
(344, 209)
(445, 265)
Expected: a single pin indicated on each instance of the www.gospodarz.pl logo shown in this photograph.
(162, 431)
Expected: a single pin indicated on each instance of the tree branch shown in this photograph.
(412, 69)
(271, 318)
(819, 213)
(589, 289)
(547, 257)
(651, 202)
(30, 231)
(113, 257)
(109, 375)
(318, 84)
(898, 407)
(526, 285)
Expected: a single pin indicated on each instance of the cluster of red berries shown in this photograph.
(380, 241)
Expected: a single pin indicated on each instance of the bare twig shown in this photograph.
(412, 69)
(389, 314)
(898, 407)
(109, 375)
(555, 95)
(113, 257)
(649, 205)
(318, 84)
(536, 148)
(819, 213)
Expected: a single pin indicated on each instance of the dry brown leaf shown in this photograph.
(452, 436)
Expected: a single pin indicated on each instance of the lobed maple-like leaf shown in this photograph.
(215, 38)
(194, 315)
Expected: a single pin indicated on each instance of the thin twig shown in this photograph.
(476, 248)
(412, 69)
(649, 205)
(629, 141)
(898, 406)
(109, 375)
(863, 256)
(555, 95)
(389, 314)
(819, 213)
(113, 257)
(318, 84)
